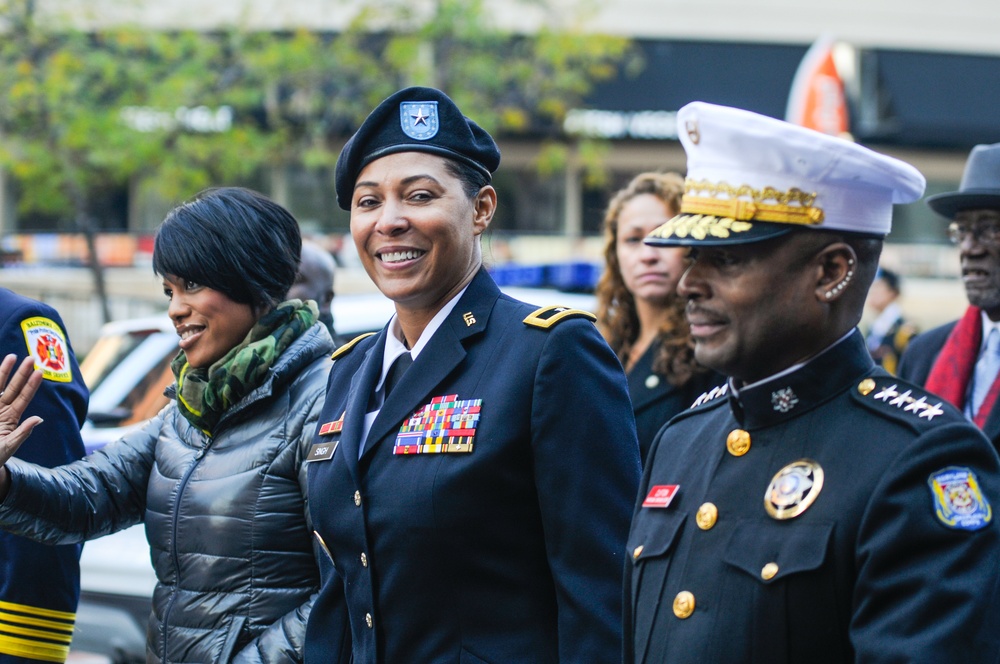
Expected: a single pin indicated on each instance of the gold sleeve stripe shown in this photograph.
(37, 633)
(13, 618)
(38, 611)
(45, 652)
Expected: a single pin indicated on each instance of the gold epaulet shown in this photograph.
(343, 350)
(546, 317)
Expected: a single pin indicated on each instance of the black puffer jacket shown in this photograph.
(226, 517)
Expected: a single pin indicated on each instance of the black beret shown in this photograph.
(414, 120)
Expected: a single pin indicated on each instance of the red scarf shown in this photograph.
(952, 370)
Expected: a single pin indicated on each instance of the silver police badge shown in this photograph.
(419, 119)
(793, 489)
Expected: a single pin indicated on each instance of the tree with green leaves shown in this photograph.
(167, 113)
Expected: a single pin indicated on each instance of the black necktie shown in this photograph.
(396, 371)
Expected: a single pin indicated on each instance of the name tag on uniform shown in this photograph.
(661, 495)
(322, 451)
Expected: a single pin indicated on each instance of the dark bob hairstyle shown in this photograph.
(233, 240)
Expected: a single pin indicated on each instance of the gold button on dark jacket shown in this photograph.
(707, 515)
(738, 442)
(684, 604)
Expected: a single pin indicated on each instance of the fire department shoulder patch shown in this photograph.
(47, 344)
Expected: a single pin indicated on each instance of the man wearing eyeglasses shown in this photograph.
(961, 360)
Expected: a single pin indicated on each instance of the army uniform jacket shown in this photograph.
(39, 584)
(508, 551)
(881, 546)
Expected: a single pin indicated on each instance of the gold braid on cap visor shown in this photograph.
(703, 216)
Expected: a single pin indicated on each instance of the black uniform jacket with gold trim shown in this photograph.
(509, 553)
(866, 573)
(40, 584)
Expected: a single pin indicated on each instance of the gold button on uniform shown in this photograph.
(364, 559)
(683, 604)
(368, 620)
(769, 571)
(637, 552)
(738, 442)
(707, 515)
(357, 498)
(866, 386)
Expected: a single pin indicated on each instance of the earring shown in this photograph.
(843, 284)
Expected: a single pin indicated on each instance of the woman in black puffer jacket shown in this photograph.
(217, 476)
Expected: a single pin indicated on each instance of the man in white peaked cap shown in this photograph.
(815, 509)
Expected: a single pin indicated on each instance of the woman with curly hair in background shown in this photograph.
(638, 309)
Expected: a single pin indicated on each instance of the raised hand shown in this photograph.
(14, 398)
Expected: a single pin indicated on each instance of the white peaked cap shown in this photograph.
(750, 177)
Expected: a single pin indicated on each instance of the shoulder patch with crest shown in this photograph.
(346, 348)
(546, 317)
(47, 344)
(958, 499)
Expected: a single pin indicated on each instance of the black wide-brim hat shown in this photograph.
(980, 186)
(414, 120)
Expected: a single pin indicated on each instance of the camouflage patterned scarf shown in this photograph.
(203, 395)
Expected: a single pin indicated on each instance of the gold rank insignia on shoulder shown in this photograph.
(958, 500)
(346, 348)
(793, 489)
(903, 398)
(546, 317)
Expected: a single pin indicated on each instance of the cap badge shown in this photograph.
(691, 127)
(419, 119)
(793, 489)
(958, 501)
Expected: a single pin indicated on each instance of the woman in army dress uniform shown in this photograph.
(476, 508)
(638, 309)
